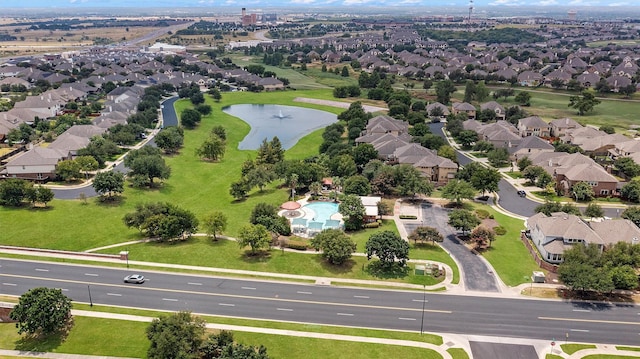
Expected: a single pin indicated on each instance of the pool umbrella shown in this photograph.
(290, 206)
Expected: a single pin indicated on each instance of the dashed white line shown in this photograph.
(579, 330)
(420, 300)
(345, 314)
(299, 292)
(10, 284)
(248, 288)
(285, 309)
(227, 304)
(91, 274)
(63, 289)
(41, 270)
(402, 318)
(582, 310)
(194, 283)
(114, 294)
(361, 296)
(169, 299)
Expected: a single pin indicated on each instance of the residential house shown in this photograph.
(495, 107)
(559, 127)
(444, 109)
(529, 146)
(554, 234)
(603, 183)
(37, 164)
(533, 126)
(529, 78)
(463, 107)
(371, 213)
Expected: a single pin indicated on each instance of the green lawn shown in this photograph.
(226, 254)
(572, 348)
(507, 254)
(109, 337)
(93, 336)
(297, 79)
(195, 185)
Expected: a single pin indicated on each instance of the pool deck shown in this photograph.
(309, 215)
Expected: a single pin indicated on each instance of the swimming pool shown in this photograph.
(322, 211)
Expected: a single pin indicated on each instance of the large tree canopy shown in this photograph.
(388, 247)
(42, 311)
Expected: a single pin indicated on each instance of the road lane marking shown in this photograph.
(361, 296)
(227, 304)
(41, 270)
(169, 299)
(420, 300)
(234, 296)
(582, 310)
(345, 314)
(579, 330)
(63, 289)
(193, 283)
(285, 309)
(248, 288)
(91, 274)
(402, 318)
(299, 292)
(114, 294)
(590, 321)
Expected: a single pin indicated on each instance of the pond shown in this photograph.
(289, 123)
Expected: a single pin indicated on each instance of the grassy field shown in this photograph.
(298, 79)
(195, 185)
(572, 348)
(97, 336)
(507, 254)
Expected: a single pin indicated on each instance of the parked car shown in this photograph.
(134, 278)
(522, 193)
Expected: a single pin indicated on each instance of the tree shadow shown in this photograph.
(113, 201)
(393, 271)
(44, 343)
(258, 257)
(344, 268)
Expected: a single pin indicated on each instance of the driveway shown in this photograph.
(477, 275)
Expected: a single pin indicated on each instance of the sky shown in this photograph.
(306, 3)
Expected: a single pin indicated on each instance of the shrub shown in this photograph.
(482, 214)
(297, 245)
(408, 216)
(372, 225)
(500, 230)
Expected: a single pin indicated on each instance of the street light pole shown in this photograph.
(424, 297)
(90, 301)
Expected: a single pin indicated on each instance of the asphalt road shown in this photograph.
(477, 275)
(533, 319)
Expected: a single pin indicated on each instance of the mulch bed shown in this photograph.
(4, 315)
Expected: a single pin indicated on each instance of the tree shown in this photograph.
(190, 118)
(457, 190)
(608, 129)
(389, 248)
(270, 152)
(410, 181)
(469, 91)
(68, 170)
(447, 151)
(170, 139)
(39, 194)
(13, 191)
(424, 234)
(215, 94)
(363, 153)
(627, 166)
(197, 98)
(353, 210)
(260, 176)
(335, 245)
(523, 98)
(239, 189)
(87, 164)
(345, 71)
(221, 345)
(215, 223)
(486, 180)
(584, 103)
(632, 213)
(482, 236)
(466, 138)
(532, 173)
(178, 335)
(582, 191)
(593, 210)
(212, 148)
(631, 191)
(463, 220)
(523, 163)
(503, 92)
(581, 269)
(109, 182)
(498, 157)
(358, 185)
(482, 92)
(255, 236)
(147, 162)
(42, 311)
(444, 89)
(262, 210)
(552, 207)
(164, 221)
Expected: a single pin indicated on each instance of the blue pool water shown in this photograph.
(323, 210)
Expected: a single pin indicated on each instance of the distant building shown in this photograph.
(248, 20)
